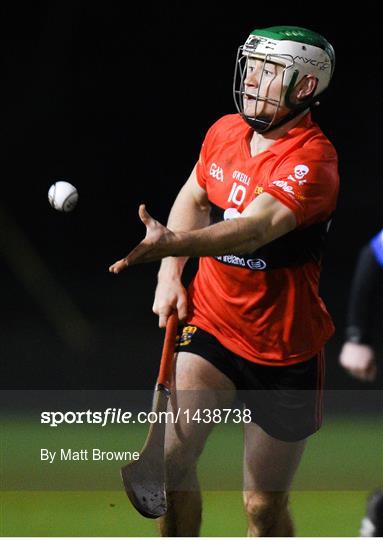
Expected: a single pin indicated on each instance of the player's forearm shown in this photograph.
(236, 236)
(266, 220)
(186, 215)
(172, 267)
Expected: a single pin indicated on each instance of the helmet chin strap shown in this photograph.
(263, 125)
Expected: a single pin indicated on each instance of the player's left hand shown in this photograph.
(155, 246)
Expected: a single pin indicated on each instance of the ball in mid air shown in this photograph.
(62, 196)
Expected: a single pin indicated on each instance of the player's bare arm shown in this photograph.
(191, 210)
(263, 220)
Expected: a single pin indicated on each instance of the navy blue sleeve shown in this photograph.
(368, 277)
(377, 247)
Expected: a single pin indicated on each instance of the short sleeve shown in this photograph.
(308, 186)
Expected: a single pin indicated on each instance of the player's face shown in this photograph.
(263, 79)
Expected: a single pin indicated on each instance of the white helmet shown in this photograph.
(301, 52)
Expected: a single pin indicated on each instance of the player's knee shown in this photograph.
(264, 509)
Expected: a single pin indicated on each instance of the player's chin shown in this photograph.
(249, 108)
(257, 113)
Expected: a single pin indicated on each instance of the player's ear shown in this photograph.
(305, 88)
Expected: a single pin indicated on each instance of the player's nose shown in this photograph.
(251, 80)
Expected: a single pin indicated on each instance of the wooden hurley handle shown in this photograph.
(165, 374)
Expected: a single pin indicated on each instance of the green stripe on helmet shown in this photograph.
(296, 33)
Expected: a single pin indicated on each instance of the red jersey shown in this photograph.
(265, 306)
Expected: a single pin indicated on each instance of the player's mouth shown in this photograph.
(252, 97)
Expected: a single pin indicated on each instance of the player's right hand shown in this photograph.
(170, 296)
(359, 361)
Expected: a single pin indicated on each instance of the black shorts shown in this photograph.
(285, 401)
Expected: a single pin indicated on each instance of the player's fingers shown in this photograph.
(182, 309)
(162, 320)
(118, 266)
(163, 316)
(156, 308)
(145, 217)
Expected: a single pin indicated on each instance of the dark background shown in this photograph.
(116, 98)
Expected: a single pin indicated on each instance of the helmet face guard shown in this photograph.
(260, 122)
(300, 52)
